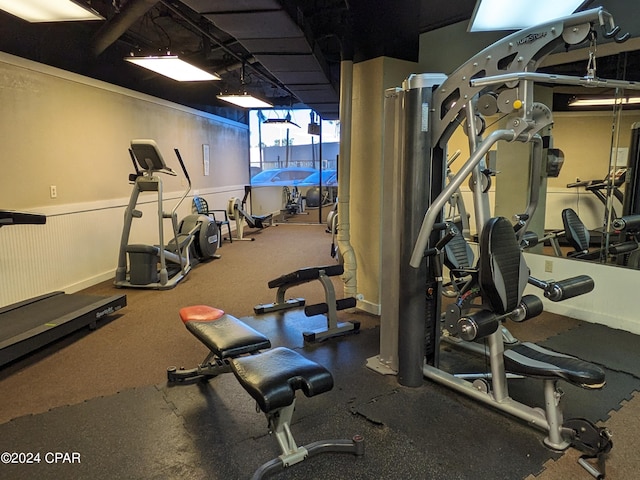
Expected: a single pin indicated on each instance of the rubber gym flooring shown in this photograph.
(101, 397)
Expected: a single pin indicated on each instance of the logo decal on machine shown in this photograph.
(532, 37)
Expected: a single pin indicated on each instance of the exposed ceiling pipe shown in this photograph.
(235, 66)
(227, 50)
(119, 24)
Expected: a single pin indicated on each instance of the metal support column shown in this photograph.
(422, 180)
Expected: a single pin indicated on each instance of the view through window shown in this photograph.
(297, 152)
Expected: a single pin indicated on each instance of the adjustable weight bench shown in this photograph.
(271, 377)
(330, 307)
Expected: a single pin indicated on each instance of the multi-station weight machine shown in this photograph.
(422, 116)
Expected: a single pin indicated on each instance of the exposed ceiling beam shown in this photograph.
(114, 28)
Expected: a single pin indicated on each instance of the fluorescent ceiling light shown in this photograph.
(603, 102)
(286, 121)
(48, 10)
(244, 100)
(490, 15)
(171, 66)
(280, 121)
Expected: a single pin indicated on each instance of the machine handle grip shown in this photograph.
(569, 288)
(451, 232)
(529, 240)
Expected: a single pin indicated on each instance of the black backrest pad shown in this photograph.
(458, 254)
(574, 230)
(228, 337)
(305, 275)
(503, 271)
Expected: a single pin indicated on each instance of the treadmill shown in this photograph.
(31, 324)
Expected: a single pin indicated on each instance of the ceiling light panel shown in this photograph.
(49, 10)
(491, 15)
(171, 66)
(244, 100)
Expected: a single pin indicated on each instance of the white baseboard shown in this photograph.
(369, 307)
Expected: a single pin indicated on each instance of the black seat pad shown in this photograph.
(458, 255)
(272, 377)
(228, 336)
(532, 360)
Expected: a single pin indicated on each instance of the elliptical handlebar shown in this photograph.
(184, 169)
(186, 192)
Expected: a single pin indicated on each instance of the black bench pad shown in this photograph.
(228, 337)
(534, 361)
(305, 275)
(272, 377)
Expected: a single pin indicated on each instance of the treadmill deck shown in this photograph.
(29, 325)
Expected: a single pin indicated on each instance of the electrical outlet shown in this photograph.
(548, 266)
(53, 191)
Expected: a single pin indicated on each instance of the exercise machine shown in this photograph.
(624, 252)
(609, 194)
(329, 307)
(424, 114)
(271, 377)
(237, 211)
(31, 324)
(194, 239)
(493, 295)
(294, 202)
(605, 188)
(332, 228)
(201, 206)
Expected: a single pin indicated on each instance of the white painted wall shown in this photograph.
(611, 303)
(62, 129)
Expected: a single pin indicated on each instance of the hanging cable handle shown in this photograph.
(614, 32)
(451, 232)
(615, 29)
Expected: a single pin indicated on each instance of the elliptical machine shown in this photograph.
(194, 239)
